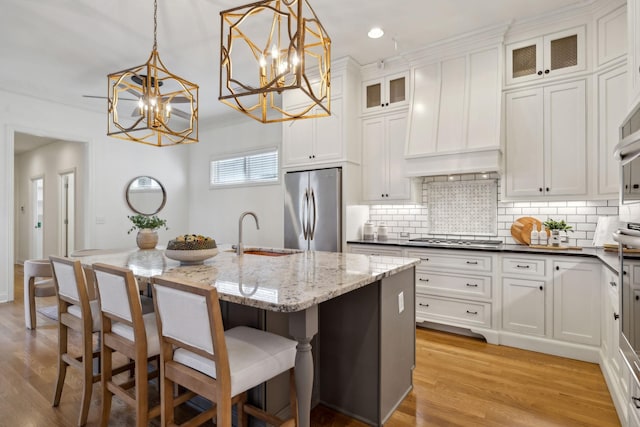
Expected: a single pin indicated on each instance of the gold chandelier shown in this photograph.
(164, 110)
(276, 46)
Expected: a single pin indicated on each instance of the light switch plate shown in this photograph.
(400, 302)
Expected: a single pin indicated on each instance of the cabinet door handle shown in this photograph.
(472, 312)
(423, 280)
(548, 189)
(541, 288)
(540, 72)
(546, 71)
(386, 195)
(472, 285)
(635, 401)
(557, 268)
(423, 305)
(382, 105)
(540, 189)
(612, 283)
(522, 266)
(472, 262)
(386, 105)
(616, 316)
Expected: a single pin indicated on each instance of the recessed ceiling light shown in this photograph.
(375, 33)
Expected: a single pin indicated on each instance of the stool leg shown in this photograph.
(142, 393)
(107, 366)
(32, 302)
(62, 365)
(242, 417)
(87, 386)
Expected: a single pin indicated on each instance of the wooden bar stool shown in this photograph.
(197, 354)
(76, 313)
(38, 282)
(125, 329)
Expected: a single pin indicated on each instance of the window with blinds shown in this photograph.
(253, 168)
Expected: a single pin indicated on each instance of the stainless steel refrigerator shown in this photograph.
(312, 210)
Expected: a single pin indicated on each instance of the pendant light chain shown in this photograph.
(155, 24)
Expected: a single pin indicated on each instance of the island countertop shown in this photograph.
(288, 283)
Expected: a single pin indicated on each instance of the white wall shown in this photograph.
(215, 212)
(111, 163)
(47, 162)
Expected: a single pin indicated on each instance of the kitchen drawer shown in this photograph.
(469, 262)
(454, 285)
(375, 250)
(636, 273)
(452, 311)
(525, 266)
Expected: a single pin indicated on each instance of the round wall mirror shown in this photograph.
(145, 195)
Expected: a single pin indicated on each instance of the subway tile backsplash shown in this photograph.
(468, 206)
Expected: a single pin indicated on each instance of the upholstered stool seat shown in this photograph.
(254, 357)
(38, 282)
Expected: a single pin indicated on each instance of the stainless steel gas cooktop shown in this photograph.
(437, 241)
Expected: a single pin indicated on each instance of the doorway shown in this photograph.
(66, 215)
(37, 216)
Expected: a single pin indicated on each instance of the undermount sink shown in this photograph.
(268, 252)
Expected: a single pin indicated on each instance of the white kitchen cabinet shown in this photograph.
(547, 56)
(546, 141)
(381, 250)
(611, 29)
(612, 109)
(576, 299)
(523, 303)
(385, 93)
(454, 118)
(309, 141)
(383, 172)
(633, 39)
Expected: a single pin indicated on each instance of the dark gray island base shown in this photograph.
(366, 348)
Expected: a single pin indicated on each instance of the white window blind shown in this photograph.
(253, 168)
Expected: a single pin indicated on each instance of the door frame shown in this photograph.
(34, 251)
(8, 246)
(66, 232)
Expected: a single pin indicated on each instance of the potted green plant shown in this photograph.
(555, 227)
(147, 226)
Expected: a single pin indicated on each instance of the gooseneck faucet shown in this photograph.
(240, 247)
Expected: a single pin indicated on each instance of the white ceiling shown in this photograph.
(63, 49)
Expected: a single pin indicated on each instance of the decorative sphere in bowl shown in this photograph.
(191, 249)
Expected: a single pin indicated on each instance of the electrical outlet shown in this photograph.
(400, 302)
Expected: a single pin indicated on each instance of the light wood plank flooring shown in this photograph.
(458, 381)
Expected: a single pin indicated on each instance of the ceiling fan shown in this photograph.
(137, 111)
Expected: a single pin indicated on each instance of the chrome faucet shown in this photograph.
(240, 247)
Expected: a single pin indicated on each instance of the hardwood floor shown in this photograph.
(458, 381)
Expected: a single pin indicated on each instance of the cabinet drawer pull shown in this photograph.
(616, 316)
(635, 401)
(612, 283)
(522, 266)
(423, 280)
(472, 285)
(472, 262)
(423, 305)
(472, 312)
(541, 288)
(424, 259)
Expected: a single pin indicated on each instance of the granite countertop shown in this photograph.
(610, 259)
(286, 283)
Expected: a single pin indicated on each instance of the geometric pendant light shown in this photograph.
(150, 105)
(272, 47)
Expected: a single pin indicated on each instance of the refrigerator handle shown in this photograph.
(305, 215)
(312, 230)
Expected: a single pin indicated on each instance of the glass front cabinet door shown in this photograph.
(385, 93)
(545, 57)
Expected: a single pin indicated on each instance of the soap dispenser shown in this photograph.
(535, 236)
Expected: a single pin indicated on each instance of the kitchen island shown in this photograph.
(364, 305)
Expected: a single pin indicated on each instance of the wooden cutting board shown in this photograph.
(576, 248)
(522, 227)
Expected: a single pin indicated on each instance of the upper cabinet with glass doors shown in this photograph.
(546, 57)
(385, 93)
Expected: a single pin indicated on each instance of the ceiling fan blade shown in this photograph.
(104, 97)
(177, 99)
(181, 114)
